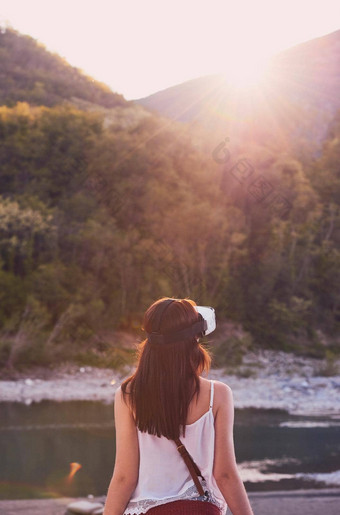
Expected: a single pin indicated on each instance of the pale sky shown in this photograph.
(139, 47)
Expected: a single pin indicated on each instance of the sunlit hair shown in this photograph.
(167, 375)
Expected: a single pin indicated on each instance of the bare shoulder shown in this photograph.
(118, 395)
(118, 392)
(223, 394)
(120, 398)
(123, 391)
(122, 401)
(204, 383)
(222, 389)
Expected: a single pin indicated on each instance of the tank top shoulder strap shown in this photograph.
(211, 394)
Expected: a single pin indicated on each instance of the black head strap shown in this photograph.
(189, 332)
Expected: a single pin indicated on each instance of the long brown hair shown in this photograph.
(167, 375)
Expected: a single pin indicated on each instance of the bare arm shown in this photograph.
(225, 468)
(125, 474)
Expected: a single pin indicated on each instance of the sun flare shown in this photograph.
(244, 71)
(74, 467)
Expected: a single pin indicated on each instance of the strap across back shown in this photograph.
(192, 467)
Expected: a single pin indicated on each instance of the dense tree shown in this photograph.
(98, 219)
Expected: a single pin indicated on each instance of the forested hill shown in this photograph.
(102, 211)
(28, 72)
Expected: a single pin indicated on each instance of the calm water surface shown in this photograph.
(38, 442)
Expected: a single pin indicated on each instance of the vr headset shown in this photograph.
(205, 325)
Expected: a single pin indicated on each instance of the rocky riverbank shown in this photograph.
(266, 379)
(304, 502)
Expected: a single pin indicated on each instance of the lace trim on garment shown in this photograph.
(142, 506)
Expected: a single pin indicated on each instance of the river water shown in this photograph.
(274, 450)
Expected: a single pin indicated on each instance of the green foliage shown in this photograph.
(43, 151)
(331, 365)
(229, 353)
(27, 342)
(13, 291)
(115, 358)
(97, 221)
(26, 237)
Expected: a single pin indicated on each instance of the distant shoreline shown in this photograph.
(274, 380)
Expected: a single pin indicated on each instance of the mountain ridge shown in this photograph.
(30, 73)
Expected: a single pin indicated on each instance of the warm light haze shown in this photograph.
(138, 48)
(246, 76)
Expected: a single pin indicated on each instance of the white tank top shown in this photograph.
(163, 475)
